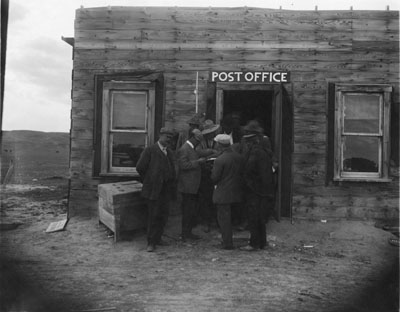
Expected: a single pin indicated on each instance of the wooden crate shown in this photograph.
(121, 208)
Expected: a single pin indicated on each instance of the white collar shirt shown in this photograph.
(162, 148)
(190, 144)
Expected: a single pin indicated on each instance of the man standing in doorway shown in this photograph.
(189, 175)
(227, 177)
(259, 187)
(156, 167)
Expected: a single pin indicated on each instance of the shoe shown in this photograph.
(190, 236)
(163, 243)
(151, 248)
(248, 248)
(207, 229)
(393, 229)
(242, 227)
(394, 242)
(227, 247)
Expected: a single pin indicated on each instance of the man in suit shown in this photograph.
(227, 177)
(156, 167)
(259, 186)
(189, 175)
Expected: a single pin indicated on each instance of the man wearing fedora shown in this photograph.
(194, 123)
(157, 170)
(259, 186)
(189, 175)
(227, 177)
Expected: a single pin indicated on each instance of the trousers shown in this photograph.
(158, 212)
(225, 224)
(189, 212)
(258, 211)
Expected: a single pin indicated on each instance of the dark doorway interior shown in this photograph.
(250, 105)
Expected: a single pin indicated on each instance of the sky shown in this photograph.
(39, 63)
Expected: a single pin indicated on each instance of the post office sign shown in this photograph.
(250, 76)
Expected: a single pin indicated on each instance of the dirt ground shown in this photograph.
(310, 265)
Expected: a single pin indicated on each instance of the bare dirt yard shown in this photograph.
(310, 265)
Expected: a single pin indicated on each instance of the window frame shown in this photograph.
(384, 93)
(106, 168)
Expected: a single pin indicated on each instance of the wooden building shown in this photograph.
(324, 85)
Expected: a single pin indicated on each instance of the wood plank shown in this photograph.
(245, 18)
(382, 46)
(386, 190)
(83, 84)
(82, 113)
(79, 95)
(294, 66)
(309, 147)
(83, 104)
(84, 145)
(215, 45)
(327, 200)
(365, 24)
(82, 124)
(141, 13)
(82, 134)
(234, 55)
(183, 35)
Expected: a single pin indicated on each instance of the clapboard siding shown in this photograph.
(207, 65)
(184, 35)
(233, 55)
(316, 47)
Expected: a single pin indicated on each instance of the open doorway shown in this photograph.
(245, 105)
(271, 106)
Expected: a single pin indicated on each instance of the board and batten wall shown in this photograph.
(316, 47)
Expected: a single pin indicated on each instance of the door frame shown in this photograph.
(276, 125)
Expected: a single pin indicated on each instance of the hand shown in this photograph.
(201, 160)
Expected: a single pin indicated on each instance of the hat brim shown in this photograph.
(210, 130)
(224, 143)
(248, 136)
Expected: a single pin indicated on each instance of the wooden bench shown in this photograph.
(121, 208)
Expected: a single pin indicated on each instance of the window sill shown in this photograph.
(386, 180)
(120, 174)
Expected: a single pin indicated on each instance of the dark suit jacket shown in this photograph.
(227, 175)
(258, 171)
(189, 170)
(155, 168)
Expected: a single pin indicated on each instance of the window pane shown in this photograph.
(361, 113)
(126, 148)
(129, 110)
(361, 154)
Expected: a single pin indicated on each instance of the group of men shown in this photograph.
(213, 170)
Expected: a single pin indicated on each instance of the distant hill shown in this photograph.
(36, 155)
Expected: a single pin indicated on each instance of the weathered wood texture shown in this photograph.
(317, 47)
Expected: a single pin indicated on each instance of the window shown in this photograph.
(126, 113)
(361, 142)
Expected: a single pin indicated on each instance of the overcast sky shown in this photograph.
(39, 63)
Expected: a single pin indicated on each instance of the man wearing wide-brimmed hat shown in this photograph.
(259, 186)
(156, 167)
(209, 131)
